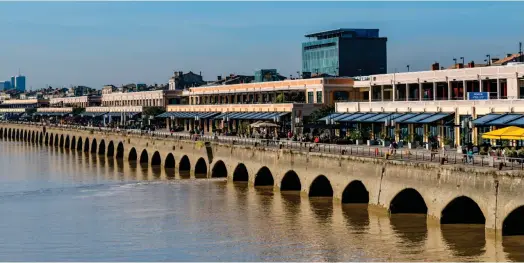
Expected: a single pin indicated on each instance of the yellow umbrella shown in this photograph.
(508, 133)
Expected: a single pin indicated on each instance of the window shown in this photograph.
(310, 97)
(319, 96)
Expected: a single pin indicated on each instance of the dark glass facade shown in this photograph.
(345, 52)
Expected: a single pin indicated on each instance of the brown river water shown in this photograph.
(62, 205)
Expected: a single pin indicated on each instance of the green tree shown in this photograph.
(321, 113)
(153, 111)
(280, 98)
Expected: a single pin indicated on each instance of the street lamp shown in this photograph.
(488, 60)
(408, 67)
(455, 60)
(462, 60)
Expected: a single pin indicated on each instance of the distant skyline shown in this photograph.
(97, 43)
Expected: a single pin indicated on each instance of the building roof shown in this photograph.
(510, 58)
(339, 31)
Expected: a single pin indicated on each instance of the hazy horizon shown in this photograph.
(98, 43)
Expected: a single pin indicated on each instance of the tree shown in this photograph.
(321, 113)
(153, 111)
(279, 98)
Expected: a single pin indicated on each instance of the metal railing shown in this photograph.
(413, 155)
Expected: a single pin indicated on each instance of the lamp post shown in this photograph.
(488, 60)
(455, 62)
(462, 60)
(408, 67)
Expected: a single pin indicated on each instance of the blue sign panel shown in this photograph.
(478, 95)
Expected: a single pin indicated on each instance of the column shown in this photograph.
(457, 127)
(397, 134)
(481, 87)
(394, 92)
(434, 91)
(370, 93)
(420, 91)
(465, 89)
(449, 90)
(407, 91)
(498, 88)
(381, 92)
(426, 129)
(168, 123)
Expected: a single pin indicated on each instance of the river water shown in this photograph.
(61, 205)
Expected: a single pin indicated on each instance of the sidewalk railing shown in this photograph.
(442, 157)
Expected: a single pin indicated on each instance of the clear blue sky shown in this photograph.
(93, 43)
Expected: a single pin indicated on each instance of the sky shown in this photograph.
(98, 43)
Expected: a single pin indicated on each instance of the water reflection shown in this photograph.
(180, 218)
(464, 240)
(357, 217)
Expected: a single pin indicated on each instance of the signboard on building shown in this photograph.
(478, 95)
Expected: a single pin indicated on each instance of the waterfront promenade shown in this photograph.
(447, 193)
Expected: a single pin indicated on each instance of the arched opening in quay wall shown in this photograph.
(320, 187)
(355, 193)
(264, 177)
(144, 158)
(290, 182)
(132, 157)
(513, 224)
(201, 168)
(184, 167)
(111, 149)
(102, 147)
(408, 201)
(219, 170)
(462, 210)
(120, 151)
(156, 160)
(170, 161)
(240, 173)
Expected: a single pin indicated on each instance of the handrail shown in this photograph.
(442, 157)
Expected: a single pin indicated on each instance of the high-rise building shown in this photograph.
(5, 85)
(13, 83)
(345, 52)
(20, 83)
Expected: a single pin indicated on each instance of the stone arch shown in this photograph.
(102, 147)
(462, 210)
(67, 142)
(56, 140)
(513, 224)
(219, 170)
(201, 168)
(110, 149)
(73, 143)
(355, 192)
(408, 201)
(264, 177)
(156, 160)
(93, 145)
(120, 151)
(61, 144)
(86, 145)
(290, 182)
(79, 144)
(144, 157)
(240, 173)
(132, 155)
(320, 187)
(170, 161)
(185, 165)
